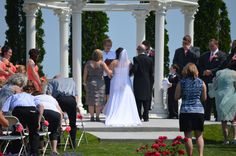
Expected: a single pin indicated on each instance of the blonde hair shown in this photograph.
(20, 69)
(97, 55)
(190, 71)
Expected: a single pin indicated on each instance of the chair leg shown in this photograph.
(67, 139)
(6, 147)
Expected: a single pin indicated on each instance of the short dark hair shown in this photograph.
(215, 41)
(33, 51)
(176, 67)
(146, 43)
(5, 49)
(118, 51)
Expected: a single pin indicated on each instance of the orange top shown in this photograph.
(31, 75)
(6, 65)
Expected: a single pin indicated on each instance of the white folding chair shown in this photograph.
(67, 139)
(83, 132)
(13, 121)
(45, 134)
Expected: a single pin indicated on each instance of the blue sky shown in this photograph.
(122, 31)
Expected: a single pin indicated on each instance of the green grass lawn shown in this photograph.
(213, 145)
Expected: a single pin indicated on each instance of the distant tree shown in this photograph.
(211, 21)
(94, 28)
(39, 40)
(150, 36)
(16, 32)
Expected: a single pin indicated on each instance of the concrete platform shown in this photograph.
(147, 131)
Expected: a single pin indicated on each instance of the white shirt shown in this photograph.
(49, 102)
(20, 99)
(214, 52)
(108, 55)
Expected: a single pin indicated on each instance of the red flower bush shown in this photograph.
(161, 148)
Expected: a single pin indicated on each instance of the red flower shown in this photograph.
(155, 146)
(68, 129)
(181, 152)
(1, 154)
(179, 138)
(162, 144)
(162, 138)
(19, 128)
(157, 154)
(46, 123)
(185, 139)
(148, 153)
(79, 116)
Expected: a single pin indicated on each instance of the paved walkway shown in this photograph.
(147, 131)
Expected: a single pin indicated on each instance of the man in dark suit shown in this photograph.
(186, 54)
(209, 62)
(143, 78)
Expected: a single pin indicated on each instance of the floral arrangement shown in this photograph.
(79, 116)
(161, 148)
(19, 128)
(68, 129)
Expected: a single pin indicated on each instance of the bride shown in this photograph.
(121, 109)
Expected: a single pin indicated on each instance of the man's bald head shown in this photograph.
(141, 48)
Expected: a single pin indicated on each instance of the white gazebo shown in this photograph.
(66, 8)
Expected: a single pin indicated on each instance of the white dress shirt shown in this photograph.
(108, 55)
(49, 102)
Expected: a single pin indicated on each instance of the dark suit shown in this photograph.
(172, 103)
(213, 65)
(143, 78)
(181, 59)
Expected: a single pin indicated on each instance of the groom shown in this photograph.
(143, 76)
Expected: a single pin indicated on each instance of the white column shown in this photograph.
(64, 18)
(30, 12)
(140, 16)
(189, 13)
(159, 61)
(77, 48)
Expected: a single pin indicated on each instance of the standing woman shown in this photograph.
(7, 68)
(94, 83)
(32, 69)
(192, 90)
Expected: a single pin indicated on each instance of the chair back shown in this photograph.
(12, 120)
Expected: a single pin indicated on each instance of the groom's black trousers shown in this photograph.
(146, 106)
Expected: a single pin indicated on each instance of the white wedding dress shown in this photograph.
(121, 109)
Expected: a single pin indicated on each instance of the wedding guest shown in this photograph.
(13, 85)
(207, 64)
(29, 111)
(3, 121)
(225, 95)
(173, 78)
(143, 78)
(7, 67)
(151, 54)
(186, 54)
(230, 57)
(53, 114)
(21, 69)
(32, 69)
(108, 56)
(94, 83)
(192, 90)
(65, 92)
